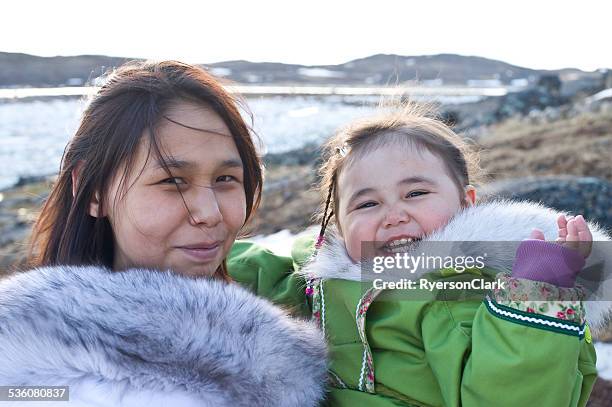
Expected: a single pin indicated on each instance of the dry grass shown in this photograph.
(577, 146)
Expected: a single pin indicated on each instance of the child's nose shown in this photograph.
(205, 208)
(395, 217)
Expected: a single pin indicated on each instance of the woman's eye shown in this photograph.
(414, 194)
(226, 178)
(366, 205)
(173, 181)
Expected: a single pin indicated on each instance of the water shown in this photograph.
(33, 134)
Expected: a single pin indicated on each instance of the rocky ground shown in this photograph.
(18, 209)
(578, 145)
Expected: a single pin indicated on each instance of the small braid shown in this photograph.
(326, 217)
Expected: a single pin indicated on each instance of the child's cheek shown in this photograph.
(354, 252)
(361, 230)
(437, 221)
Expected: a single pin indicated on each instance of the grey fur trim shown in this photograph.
(149, 338)
(494, 221)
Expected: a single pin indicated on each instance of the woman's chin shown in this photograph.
(197, 263)
(196, 271)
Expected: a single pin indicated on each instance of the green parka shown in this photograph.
(388, 351)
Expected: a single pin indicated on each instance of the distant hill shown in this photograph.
(444, 69)
(381, 69)
(29, 70)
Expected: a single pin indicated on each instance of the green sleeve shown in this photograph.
(268, 275)
(488, 358)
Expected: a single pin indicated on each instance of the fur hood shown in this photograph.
(148, 338)
(494, 221)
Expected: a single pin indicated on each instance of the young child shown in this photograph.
(400, 181)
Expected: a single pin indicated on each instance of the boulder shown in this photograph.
(588, 196)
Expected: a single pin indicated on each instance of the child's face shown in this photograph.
(395, 192)
(151, 225)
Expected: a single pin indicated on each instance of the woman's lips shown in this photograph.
(202, 253)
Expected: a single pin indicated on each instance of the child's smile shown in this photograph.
(400, 244)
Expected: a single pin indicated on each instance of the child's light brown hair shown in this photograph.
(414, 125)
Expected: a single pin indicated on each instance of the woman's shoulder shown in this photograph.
(302, 250)
(270, 275)
(245, 253)
(249, 252)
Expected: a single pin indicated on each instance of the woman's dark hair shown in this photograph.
(126, 109)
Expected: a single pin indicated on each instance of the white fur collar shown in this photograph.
(495, 221)
(151, 338)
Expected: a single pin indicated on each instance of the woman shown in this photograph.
(130, 302)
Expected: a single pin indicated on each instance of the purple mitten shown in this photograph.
(548, 262)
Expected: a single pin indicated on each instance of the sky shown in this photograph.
(538, 34)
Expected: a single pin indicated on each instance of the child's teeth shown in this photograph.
(400, 242)
(399, 245)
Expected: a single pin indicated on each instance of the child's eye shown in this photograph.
(414, 194)
(366, 205)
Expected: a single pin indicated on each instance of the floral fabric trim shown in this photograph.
(336, 381)
(314, 289)
(535, 320)
(540, 298)
(366, 376)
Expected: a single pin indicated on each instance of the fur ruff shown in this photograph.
(149, 338)
(494, 221)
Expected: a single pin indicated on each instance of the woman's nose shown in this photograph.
(205, 208)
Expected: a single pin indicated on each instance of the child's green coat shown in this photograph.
(494, 352)
(422, 351)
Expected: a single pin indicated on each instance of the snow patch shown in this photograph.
(320, 73)
(280, 243)
(604, 360)
(220, 71)
(604, 94)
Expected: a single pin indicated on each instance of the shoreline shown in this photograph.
(285, 90)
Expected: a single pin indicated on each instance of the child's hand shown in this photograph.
(574, 233)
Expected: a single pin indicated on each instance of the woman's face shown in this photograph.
(151, 224)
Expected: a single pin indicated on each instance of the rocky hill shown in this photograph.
(382, 69)
(18, 70)
(22, 70)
